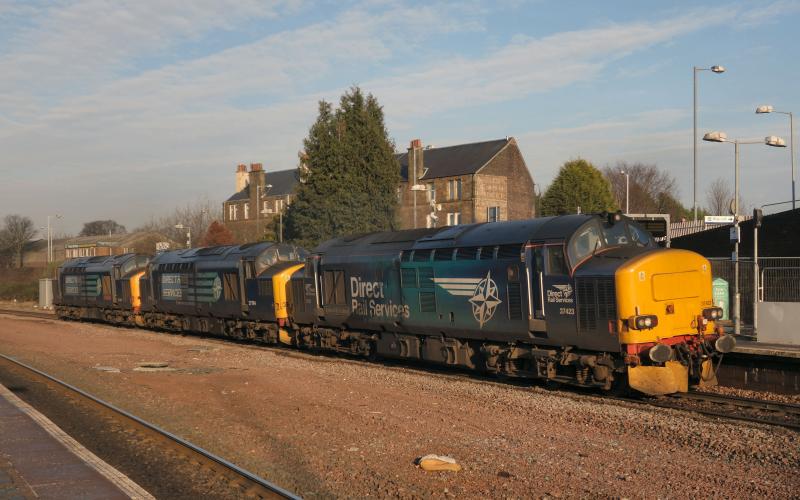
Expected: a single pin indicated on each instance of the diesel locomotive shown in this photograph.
(588, 300)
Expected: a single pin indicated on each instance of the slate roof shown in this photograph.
(462, 159)
(283, 183)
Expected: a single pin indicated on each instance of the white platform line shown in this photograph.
(119, 479)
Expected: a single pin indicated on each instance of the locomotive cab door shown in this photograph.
(534, 269)
(248, 284)
(555, 293)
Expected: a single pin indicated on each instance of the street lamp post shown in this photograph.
(713, 69)
(627, 190)
(769, 109)
(773, 141)
(50, 252)
(261, 192)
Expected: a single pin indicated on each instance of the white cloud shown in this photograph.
(95, 95)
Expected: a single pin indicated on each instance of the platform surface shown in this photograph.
(38, 460)
(766, 349)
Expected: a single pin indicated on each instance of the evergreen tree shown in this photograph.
(578, 184)
(349, 175)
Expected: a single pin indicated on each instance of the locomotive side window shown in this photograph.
(639, 236)
(585, 242)
(556, 263)
(487, 253)
(443, 254)
(249, 270)
(468, 253)
(616, 234)
(422, 255)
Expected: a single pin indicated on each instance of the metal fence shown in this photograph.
(778, 281)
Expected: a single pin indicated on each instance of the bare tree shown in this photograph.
(6, 252)
(718, 196)
(194, 216)
(648, 187)
(17, 232)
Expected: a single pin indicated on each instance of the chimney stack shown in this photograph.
(415, 162)
(241, 177)
(256, 176)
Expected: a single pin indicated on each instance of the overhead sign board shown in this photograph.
(719, 219)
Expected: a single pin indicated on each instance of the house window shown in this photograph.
(454, 189)
(278, 205)
(493, 214)
(264, 209)
(231, 212)
(431, 191)
(247, 211)
(453, 218)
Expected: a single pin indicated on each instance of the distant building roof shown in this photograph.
(449, 161)
(116, 240)
(283, 182)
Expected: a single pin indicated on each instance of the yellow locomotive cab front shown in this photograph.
(666, 321)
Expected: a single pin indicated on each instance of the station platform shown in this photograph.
(39, 460)
(753, 347)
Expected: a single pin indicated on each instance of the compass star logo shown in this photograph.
(485, 299)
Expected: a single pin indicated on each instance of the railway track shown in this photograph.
(739, 408)
(240, 481)
(715, 405)
(29, 314)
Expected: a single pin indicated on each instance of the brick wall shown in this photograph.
(510, 164)
(490, 191)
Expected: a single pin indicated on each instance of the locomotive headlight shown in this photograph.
(643, 322)
(712, 313)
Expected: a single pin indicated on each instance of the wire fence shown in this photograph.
(778, 281)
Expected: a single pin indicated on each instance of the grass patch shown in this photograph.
(21, 284)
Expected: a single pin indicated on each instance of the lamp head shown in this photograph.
(775, 141)
(716, 137)
(766, 108)
(718, 69)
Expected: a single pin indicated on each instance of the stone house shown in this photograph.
(477, 182)
(260, 196)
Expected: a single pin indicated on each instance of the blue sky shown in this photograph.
(125, 110)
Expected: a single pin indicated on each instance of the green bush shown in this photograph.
(19, 291)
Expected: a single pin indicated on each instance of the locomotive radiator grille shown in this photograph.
(596, 303)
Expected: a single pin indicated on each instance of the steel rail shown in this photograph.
(677, 402)
(760, 404)
(32, 314)
(251, 483)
